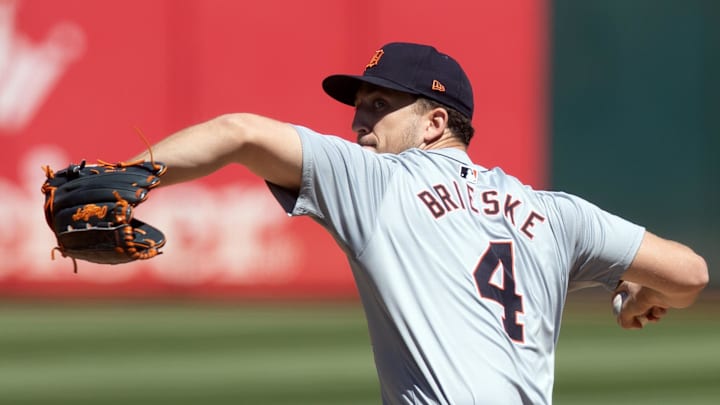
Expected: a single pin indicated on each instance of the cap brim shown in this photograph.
(343, 88)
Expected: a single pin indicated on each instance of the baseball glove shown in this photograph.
(89, 208)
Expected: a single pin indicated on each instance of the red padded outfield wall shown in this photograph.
(76, 76)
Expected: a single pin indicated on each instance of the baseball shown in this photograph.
(618, 302)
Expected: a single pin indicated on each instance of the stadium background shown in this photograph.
(615, 101)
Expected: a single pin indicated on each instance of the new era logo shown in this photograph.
(437, 86)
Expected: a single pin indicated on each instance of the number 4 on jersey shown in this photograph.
(499, 257)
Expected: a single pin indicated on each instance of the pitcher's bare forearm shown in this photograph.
(269, 148)
(675, 273)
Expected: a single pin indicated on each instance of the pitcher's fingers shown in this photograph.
(642, 320)
(656, 313)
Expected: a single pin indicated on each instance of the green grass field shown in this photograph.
(194, 353)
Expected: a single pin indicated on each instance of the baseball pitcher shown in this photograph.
(462, 270)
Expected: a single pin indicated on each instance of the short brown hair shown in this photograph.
(459, 124)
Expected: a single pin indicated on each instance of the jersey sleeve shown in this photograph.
(600, 245)
(342, 186)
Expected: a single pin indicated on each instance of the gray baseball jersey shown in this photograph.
(462, 271)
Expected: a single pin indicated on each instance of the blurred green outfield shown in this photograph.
(201, 353)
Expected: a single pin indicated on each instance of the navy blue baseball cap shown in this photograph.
(411, 68)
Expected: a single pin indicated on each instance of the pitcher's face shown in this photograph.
(386, 121)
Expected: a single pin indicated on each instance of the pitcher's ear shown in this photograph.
(436, 121)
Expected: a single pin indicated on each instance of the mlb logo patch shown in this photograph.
(469, 174)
